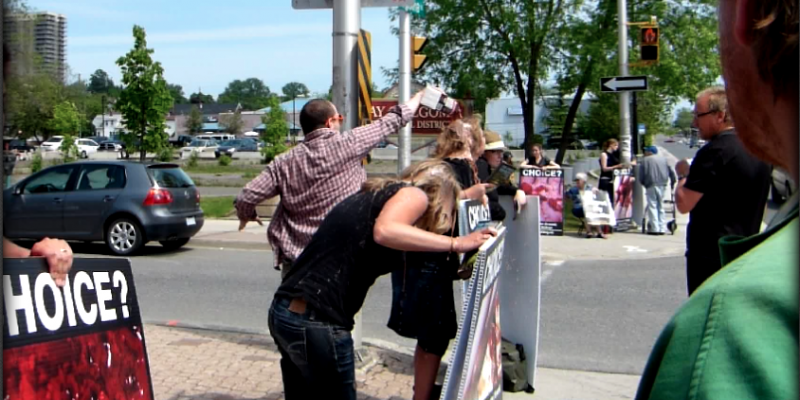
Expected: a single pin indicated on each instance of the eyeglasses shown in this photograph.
(696, 115)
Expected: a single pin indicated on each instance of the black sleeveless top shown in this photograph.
(342, 261)
(613, 159)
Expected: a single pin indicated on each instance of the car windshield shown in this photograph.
(170, 176)
(230, 143)
(198, 143)
(53, 140)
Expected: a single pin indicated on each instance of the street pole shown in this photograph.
(103, 101)
(638, 189)
(346, 26)
(624, 98)
(404, 148)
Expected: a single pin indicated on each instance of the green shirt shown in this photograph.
(736, 337)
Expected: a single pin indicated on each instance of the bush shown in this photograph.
(571, 159)
(224, 160)
(165, 154)
(193, 159)
(36, 162)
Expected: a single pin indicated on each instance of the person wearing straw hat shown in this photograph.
(491, 159)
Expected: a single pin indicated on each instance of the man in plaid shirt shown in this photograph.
(316, 175)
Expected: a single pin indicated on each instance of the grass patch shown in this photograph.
(219, 169)
(217, 207)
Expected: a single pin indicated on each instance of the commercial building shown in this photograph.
(38, 42)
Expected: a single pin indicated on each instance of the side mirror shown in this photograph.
(17, 190)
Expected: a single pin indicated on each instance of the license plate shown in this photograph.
(190, 221)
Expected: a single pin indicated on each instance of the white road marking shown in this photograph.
(546, 274)
(635, 249)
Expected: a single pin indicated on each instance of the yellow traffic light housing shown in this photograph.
(417, 60)
(648, 43)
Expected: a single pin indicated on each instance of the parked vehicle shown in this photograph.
(86, 147)
(218, 137)
(52, 144)
(20, 145)
(199, 146)
(112, 145)
(99, 139)
(782, 187)
(181, 140)
(124, 204)
(229, 147)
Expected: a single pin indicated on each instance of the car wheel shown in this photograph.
(84, 155)
(174, 244)
(124, 236)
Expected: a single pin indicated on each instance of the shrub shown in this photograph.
(193, 159)
(224, 160)
(36, 162)
(165, 154)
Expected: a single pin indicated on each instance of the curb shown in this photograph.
(230, 244)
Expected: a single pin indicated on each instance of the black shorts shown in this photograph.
(423, 306)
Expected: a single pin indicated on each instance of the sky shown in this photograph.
(206, 44)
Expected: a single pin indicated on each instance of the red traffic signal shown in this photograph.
(648, 43)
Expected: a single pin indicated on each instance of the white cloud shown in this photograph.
(205, 35)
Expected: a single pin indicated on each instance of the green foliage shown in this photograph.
(36, 162)
(537, 139)
(224, 160)
(232, 122)
(251, 93)
(69, 149)
(66, 119)
(684, 120)
(176, 91)
(193, 160)
(30, 101)
(165, 154)
(100, 82)
(294, 90)
(275, 132)
(145, 100)
(194, 123)
(570, 159)
(197, 98)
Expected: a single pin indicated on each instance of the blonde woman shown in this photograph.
(363, 237)
(423, 304)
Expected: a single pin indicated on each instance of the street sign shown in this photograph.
(364, 77)
(623, 84)
(417, 10)
(641, 129)
(322, 4)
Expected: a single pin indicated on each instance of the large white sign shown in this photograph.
(322, 4)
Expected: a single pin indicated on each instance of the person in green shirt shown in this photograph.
(736, 337)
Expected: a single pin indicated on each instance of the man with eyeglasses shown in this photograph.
(724, 190)
(315, 175)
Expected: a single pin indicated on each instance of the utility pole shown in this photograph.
(624, 97)
(346, 27)
(404, 89)
(103, 105)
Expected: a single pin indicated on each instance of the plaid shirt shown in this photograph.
(312, 178)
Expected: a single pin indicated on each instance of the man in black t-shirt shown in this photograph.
(725, 189)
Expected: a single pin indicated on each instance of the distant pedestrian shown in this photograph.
(487, 164)
(725, 189)
(538, 160)
(574, 193)
(315, 175)
(654, 174)
(609, 161)
(508, 158)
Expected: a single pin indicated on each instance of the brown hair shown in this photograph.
(315, 114)
(436, 179)
(451, 140)
(775, 43)
(608, 143)
(537, 145)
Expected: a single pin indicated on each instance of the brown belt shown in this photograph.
(298, 305)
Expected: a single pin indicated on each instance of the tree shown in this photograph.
(251, 93)
(293, 90)
(176, 91)
(232, 122)
(275, 131)
(100, 82)
(66, 122)
(684, 120)
(145, 100)
(30, 101)
(194, 124)
(197, 98)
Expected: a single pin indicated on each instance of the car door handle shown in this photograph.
(108, 198)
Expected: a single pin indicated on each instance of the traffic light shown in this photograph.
(417, 60)
(648, 43)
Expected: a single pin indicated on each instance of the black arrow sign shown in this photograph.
(623, 84)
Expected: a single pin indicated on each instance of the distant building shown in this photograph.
(504, 116)
(41, 34)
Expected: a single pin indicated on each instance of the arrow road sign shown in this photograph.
(623, 84)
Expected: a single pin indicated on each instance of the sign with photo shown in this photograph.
(597, 208)
(476, 367)
(623, 198)
(82, 341)
(548, 185)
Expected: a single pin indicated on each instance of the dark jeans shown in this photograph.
(316, 357)
(699, 268)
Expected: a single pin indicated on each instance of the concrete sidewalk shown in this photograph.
(198, 364)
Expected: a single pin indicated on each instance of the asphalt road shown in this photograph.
(677, 149)
(597, 316)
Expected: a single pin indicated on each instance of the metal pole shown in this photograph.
(346, 25)
(638, 189)
(624, 98)
(404, 148)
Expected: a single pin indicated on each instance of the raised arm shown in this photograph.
(263, 187)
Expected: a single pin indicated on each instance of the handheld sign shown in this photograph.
(82, 341)
(623, 198)
(597, 208)
(501, 175)
(548, 185)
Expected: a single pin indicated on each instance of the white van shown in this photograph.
(219, 137)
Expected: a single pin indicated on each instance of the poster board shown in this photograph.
(623, 198)
(55, 339)
(472, 216)
(479, 339)
(548, 185)
(597, 208)
(520, 281)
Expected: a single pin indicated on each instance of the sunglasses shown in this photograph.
(704, 114)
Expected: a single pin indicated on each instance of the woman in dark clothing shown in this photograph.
(362, 238)
(609, 161)
(490, 160)
(423, 304)
(538, 160)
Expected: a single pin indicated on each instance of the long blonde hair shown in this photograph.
(436, 179)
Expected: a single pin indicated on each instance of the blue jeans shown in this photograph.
(656, 217)
(316, 357)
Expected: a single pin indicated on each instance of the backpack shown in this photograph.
(514, 370)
